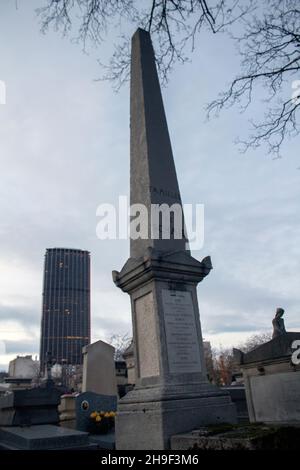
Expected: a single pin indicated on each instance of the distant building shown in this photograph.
(67, 376)
(23, 367)
(99, 374)
(65, 327)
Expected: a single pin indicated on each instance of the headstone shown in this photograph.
(99, 374)
(87, 403)
(272, 380)
(172, 393)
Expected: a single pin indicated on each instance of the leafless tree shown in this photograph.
(120, 343)
(267, 33)
(269, 47)
(174, 26)
(254, 341)
(223, 366)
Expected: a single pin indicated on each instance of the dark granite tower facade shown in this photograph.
(65, 327)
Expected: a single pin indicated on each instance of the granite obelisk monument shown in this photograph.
(172, 393)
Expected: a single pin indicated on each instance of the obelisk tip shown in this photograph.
(140, 32)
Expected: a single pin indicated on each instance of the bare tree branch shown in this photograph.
(120, 343)
(173, 25)
(268, 39)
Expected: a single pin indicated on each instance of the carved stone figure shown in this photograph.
(278, 323)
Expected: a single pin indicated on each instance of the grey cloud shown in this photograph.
(23, 315)
(22, 347)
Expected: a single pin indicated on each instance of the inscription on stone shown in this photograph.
(165, 192)
(181, 335)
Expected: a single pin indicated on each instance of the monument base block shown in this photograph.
(172, 394)
(150, 425)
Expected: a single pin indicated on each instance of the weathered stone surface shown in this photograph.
(128, 356)
(181, 332)
(276, 397)
(147, 336)
(272, 381)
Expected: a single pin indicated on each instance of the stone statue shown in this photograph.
(278, 323)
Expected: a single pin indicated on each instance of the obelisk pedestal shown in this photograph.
(172, 393)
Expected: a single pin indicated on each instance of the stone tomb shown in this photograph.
(272, 381)
(30, 406)
(27, 419)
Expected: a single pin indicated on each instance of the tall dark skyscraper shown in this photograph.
(65, 327)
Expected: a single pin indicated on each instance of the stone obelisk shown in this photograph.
(172, 393)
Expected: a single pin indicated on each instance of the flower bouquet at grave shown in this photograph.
(101, 422)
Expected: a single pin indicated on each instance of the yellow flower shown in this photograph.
(98, 418)
(93, 415)
(107, 415)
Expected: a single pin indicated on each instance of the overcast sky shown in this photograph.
(64, 149)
